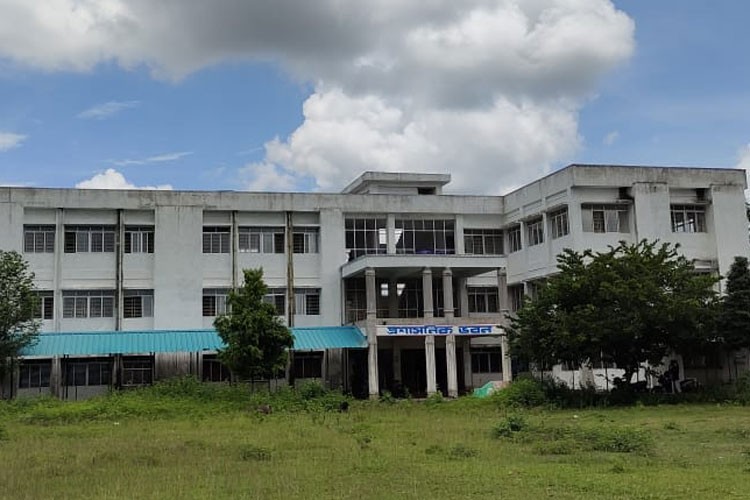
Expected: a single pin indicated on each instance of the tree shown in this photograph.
(631, 304)
(256, 339)
(18, 302)
(734, 316)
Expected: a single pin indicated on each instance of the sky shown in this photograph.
(304, 96)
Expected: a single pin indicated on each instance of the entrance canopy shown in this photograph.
(152, 341)
(398, 266)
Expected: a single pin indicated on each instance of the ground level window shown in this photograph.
(137, 372)
(483, 299)
(308, 365)
(84, 372)
(214, 370)
(486, 360)
(34, 374)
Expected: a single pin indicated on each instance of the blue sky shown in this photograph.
(263, 97)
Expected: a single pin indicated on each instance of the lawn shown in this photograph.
(172, 447)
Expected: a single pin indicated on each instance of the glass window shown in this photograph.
(535, 232)
(94, 239)
(425, 236)
(216, 239)
(483, 299)
(261, 239)
(138, 304)
(139, 239)
(46, 306)
(87, 372)
(487, 360)
(688, 218)
(307, 301)
(365, 235)
(38, 239)
(34, 374)
(305, 239)
(514, 238)
(88, 303)
(558, 221)
(137, 371)
(215, 301)
(277, 297)
(483, 241)
(214, 370)
(605, 218)
(308, 364)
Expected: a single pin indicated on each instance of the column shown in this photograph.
(390, 233)
(450, 341)
(393, 298)
(429, 340)
(468, 379)
(502, 295)
(372, 339)
(463, 297)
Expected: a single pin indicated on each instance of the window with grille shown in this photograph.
(277, 297)
(138, 304)
(514, 238)
(515, 297)
(261, 239)
(365, 235)
(215, 301)
(45, 306)
(94, 239)
(483, 241)
(87, 372)
(139, 239)
(425, 236)
(486, 360)
(307, 301)
(535, 232)
(88, 303)
(688, 218)
(34, 374)
(216, 239)
(38, 239)
(137, 371)
(308, 365)
(305, 239)
(483, 299)
(214, 370)
(605, 218)
(558, 221)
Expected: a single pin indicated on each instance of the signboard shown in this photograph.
(439, 330)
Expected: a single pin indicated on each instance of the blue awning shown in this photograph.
(152, 341)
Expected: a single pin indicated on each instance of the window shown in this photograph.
(214, 370)
(277, 297)
(88, 303)
(215, 301)
(216, 239)
(261, 239)
(483, 299)
(688, 218)
(308, 365)
(355, 300)
(486, 360)
(483, 241)
(514, 238)
(605, 218)
(138, 304)
(515, 297)
(46, 306)
(365, 235)
(139, 239)
(307, 301)
(535, 232)
(305, 239)
(558, 221)
(95, 239)
(137, 371)
(425, 236)
(34, 374)
(39, 239)
(83, 372)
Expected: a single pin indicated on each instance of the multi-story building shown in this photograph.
(427, 277)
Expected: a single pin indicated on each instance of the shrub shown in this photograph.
(616, 439)
(312, 390)
(509, 425)
(526, 393)
(434, 399)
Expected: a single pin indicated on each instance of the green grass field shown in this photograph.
(146, 446)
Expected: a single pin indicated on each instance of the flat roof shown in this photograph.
(407, 178)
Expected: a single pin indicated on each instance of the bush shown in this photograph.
(434, 399)
(312, 390)
(508, 426)
(522, 393)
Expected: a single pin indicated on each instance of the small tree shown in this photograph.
(631, 304)
(18, 302)
(256, 339)
(734, 316)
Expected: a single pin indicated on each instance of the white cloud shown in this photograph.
(165, 157)
(744, 163)
(488, 90)
(266, 177)
(9, 140)
(611, 138)
(112, 179)
(107, 109)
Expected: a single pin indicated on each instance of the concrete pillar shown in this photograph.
(502, 285)
(450, 341)
(390, 229)
(392, 298)
(502, 291)
(505, 351)
(429, 341)
(468, 382)
(463, 297)
(372, 339)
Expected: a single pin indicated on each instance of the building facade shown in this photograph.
(427, 277)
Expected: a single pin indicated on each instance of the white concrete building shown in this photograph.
(390, 254)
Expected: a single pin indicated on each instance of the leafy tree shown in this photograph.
(631, 304)
(256, 339)
(18, 302)
(734, 317)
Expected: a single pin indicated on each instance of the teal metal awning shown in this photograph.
(153, 341)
